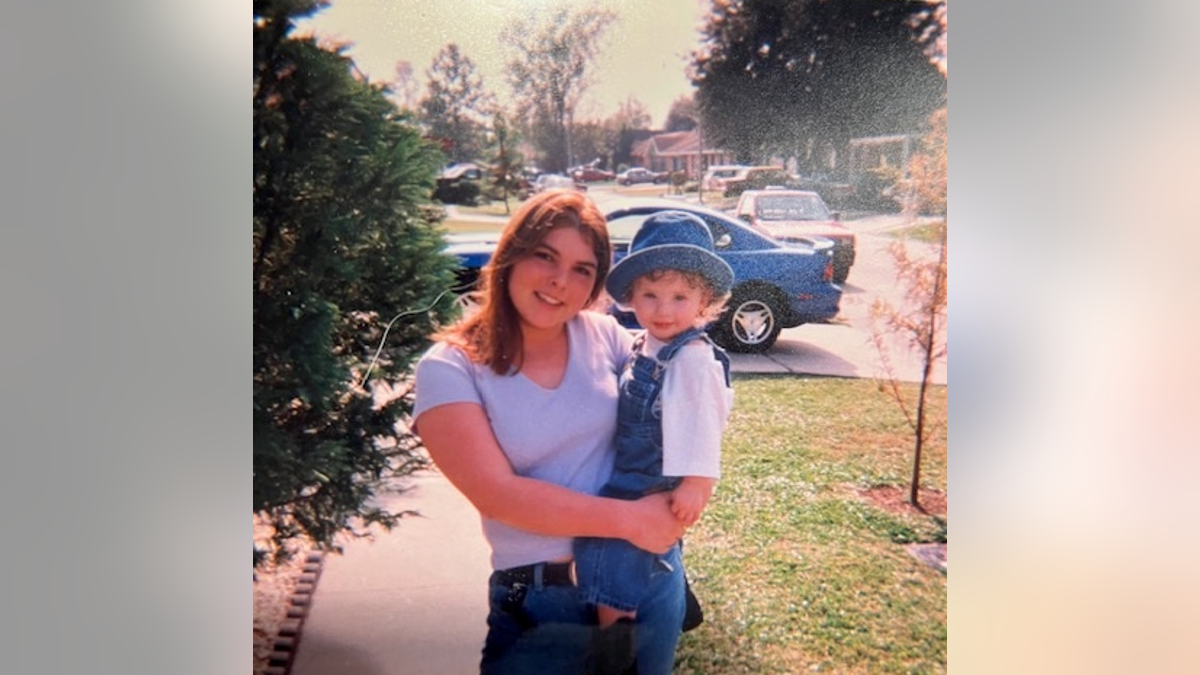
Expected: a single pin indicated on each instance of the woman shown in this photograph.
(517, 406)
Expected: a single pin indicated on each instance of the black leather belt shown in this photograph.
(552, 574)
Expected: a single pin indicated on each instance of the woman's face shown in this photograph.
(554, 282)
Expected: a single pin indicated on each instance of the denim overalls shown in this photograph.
(614, 572)
(639, 439)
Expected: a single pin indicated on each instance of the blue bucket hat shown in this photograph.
(670, 240)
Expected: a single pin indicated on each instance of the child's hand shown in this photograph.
(686, 509)
(689, 499)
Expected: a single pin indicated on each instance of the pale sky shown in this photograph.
(643, 54)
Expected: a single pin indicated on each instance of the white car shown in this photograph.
(718, 174)
(550, 181)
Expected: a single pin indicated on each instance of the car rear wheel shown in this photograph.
(750, 323)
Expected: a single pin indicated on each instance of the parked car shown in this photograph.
(638, 174)
(589, 174)
(757, 178)
(460, 184)
(793, 215)
(550, 181)
(715, 177)
(777, 284)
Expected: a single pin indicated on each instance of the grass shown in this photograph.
(926, 230)
(796, 573)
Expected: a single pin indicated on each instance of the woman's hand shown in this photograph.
(460, 441)
(652, 526)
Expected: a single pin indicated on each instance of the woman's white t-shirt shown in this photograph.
(562, 436)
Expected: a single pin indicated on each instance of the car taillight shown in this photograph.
(828, 275)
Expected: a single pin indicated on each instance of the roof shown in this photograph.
(878, 140)
(672, 144)
(641, 147)
(676, 143)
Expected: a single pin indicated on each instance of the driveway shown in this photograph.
(844, 347)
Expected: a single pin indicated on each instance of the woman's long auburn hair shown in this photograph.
(492, 334)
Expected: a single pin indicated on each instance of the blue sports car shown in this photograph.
(776, 284)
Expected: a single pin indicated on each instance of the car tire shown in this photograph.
(750, 323)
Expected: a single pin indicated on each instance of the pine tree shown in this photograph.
(344, 241)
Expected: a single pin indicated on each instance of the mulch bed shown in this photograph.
(894, 499)
(931, 503)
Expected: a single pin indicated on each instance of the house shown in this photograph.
(879, 152)
(678, 151)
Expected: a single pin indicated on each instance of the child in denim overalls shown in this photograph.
(674, 401)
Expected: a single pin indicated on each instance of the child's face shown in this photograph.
(667, 305)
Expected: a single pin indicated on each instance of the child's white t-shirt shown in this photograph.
(695, 408)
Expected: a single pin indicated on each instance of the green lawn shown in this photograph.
(927, 231)
(796, 572)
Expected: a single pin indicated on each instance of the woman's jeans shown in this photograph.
(547, 630)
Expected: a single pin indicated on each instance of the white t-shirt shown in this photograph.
(562, 436)
(695, 408)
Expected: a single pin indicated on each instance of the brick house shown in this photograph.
(678, 151)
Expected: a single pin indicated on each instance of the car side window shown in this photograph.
(720, 234)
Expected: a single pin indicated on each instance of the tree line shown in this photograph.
(773, 79)
(548, 71)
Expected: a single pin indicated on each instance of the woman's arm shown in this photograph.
(461, 443)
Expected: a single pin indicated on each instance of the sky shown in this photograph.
(643, 54)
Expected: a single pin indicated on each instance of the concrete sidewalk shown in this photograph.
(411, 602)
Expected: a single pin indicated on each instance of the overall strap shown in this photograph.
(666, 353)
(720, 355)
(687, 336)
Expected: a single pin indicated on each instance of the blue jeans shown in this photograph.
(548, 629)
